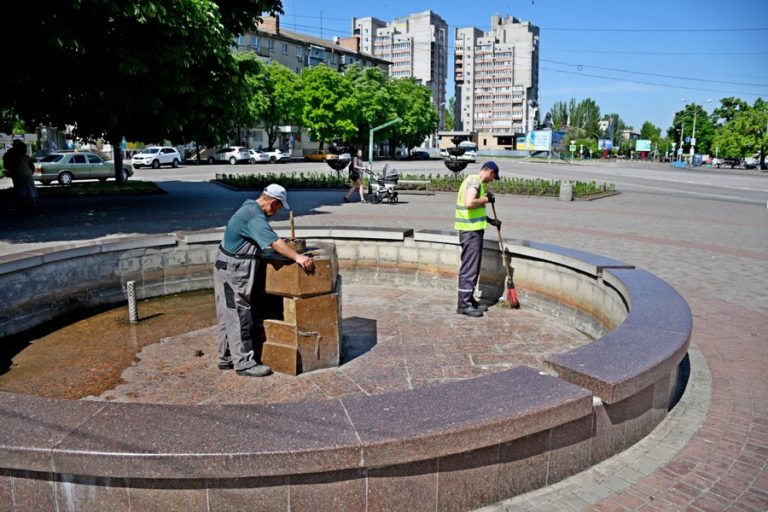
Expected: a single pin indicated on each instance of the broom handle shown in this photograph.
(501, 243)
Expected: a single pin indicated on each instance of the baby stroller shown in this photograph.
(381, 187)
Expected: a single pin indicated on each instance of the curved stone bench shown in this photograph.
(455, 446)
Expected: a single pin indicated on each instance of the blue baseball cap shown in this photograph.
(491, 166)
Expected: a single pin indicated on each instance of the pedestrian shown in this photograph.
(356, 171)
(20, 167)
(471, 221)
(246, 236)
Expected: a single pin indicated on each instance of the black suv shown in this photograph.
(729, 162)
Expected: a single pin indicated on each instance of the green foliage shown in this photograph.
(705, 128)
(649, 131)
(373, 101)
(413, 104)
(441, 183)
(728, 109)
(450, 114)
(283, 100)
(746, 133)
(329, 105)
(144, 70)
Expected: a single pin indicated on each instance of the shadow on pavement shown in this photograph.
(187, 206)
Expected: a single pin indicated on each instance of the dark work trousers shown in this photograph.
(233, 279)
(471, 257)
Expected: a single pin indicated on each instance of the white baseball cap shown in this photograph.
(278, 192)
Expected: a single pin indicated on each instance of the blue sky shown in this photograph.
(638, 59)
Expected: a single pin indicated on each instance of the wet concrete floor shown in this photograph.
(394, 339)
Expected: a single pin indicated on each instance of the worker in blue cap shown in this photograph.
(471, 221)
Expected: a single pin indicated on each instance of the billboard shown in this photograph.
(642, 145)
(539, 140)
(604, 144)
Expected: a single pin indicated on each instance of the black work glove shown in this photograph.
(494, 222)
(491, 197)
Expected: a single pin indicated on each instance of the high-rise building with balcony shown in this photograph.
(415, 45)
(497, 80)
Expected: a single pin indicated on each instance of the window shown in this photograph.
(93, 159)
(77, 159)
(271, 45)
(285, 48)
(298, 52)
(256, 42)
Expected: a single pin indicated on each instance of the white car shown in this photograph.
(276, 156)
(231, 154)
(155, 156)
(258, 157)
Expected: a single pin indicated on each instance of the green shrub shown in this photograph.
(439, 183)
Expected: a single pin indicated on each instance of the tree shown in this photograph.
(585, 115)
(727, 110)
(283, 100)
(373, 101)
(329, 106)
(746, 133)
(705, 128)
(650, 131)
(450, 114)
(145, 70)
(559, 113)
(413, 104)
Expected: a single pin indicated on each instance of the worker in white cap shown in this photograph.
(247, 235)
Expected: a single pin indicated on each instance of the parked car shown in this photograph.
(277, 157)
(728, 162)
(320, 155)
(419, 155)
(65, 167)
(258, 157)
(231, 154)
(155, 156)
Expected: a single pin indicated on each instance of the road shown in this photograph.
(745, 186)
(738, 185)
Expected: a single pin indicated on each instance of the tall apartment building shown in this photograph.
(497, 80)
(415, 45)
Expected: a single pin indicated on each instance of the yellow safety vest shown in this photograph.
(469, 219)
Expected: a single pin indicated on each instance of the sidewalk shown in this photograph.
(709, 454)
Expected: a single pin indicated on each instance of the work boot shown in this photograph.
(479, 306)
(469, 311)
(259, 370)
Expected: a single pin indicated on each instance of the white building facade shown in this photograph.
(497, 80)
(415, 45)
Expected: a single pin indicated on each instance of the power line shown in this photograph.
(622, 52)
(659, 75)
(656, 84)
(578, 29)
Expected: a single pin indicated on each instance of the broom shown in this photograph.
(511, 295)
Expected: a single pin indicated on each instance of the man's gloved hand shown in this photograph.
(494, 222)
(491, 197)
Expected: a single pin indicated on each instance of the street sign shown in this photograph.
(572, 147)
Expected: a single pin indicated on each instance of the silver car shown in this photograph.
(65, 167)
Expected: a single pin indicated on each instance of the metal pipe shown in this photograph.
(133, 314)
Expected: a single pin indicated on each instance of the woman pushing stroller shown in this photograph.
(356, 171)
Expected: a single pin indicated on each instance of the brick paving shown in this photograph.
(711, 452)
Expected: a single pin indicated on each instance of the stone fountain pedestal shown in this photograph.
(308, 335)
